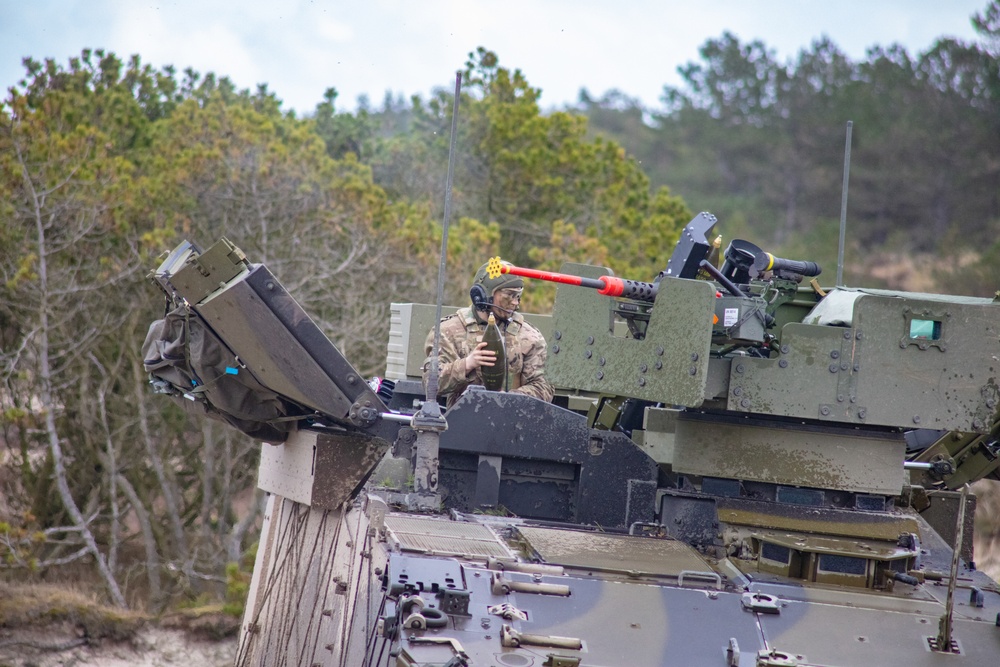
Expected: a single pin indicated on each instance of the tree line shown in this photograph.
(762, 143)
(106, 163)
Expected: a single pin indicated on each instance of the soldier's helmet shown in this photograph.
(491, 285)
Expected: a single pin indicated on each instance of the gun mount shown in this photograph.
(235, 346)
(877, 363)
(742, 470)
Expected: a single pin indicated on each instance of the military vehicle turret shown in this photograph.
(740, 468)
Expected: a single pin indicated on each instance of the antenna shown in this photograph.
(432, 379)
(843, 205)
(428, 422)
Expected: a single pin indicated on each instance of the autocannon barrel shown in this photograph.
(607, 285)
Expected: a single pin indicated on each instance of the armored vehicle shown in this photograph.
(741, 468)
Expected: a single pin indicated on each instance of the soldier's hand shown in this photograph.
(480, 357)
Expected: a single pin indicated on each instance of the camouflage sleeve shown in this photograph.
(452, 375)
(533, 382)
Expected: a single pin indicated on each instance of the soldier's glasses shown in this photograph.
(510, 294)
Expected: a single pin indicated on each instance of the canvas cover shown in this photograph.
(188, 362)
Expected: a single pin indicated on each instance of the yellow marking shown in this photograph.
(494, 268)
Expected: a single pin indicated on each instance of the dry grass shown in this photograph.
(53, 626)
(903, 271)
(915, 272)
(34, 605)
(43, 619)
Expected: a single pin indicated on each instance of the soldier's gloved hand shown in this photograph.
(480, 357)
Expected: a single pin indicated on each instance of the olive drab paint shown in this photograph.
(768, 473)
(495, 376)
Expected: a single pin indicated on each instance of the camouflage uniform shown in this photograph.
(461, 332)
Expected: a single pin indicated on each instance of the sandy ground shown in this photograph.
(153, 647)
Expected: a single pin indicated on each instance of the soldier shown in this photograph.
(462, 352)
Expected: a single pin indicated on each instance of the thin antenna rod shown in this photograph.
(428, 422)
(843, 205)
(432, 379)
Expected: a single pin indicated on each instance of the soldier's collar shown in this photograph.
(512, 325)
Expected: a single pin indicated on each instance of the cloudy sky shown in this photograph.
(371, 47)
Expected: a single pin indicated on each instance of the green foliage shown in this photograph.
(75, 154)
(105, 163)
(760, 143)
(238, 575)
(342, 133)
(987, 24)
(237, 588)
(553, 191)
(21, 542)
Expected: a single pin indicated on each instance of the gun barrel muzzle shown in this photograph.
(607, 285)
